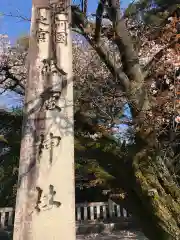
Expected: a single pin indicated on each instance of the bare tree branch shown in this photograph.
(102, 51)
(23, 18)
(99, 15)
(85, 7)
(137, 94)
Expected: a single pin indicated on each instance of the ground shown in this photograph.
(119, 235)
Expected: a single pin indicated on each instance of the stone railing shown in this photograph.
(84, 212)
(99, 211)
(6, 217)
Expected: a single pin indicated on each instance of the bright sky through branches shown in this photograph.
(15, 27)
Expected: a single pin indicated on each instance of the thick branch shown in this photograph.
(17, 82)
(81, 22)
(137, 93)
(99, 15)
(85, 7)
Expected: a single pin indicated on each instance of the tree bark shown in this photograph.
(152, 195)
(80, 21)
(136, 93)
(45, 205)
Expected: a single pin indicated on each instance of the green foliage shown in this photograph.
(2, 139)
(23, 42)
(10, 125)
(102, 177)
(89, 173)
(154, 19)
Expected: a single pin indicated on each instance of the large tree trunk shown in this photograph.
(152, 195)
(159, 196)
(45, 205)
(150, 182)
(136, 94)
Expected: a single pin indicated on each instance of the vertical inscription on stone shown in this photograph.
(46, 201)
(56, 82)
(42, 35)
(47, 143)
(43, 26)
(61, 31)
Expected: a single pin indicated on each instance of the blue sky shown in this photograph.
(15, 27)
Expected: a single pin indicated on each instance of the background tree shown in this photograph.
(10, 127)
(150, 11)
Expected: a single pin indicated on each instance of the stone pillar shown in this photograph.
(45, 206)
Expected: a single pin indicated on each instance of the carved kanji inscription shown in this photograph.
(46, 201)
(47, 143)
